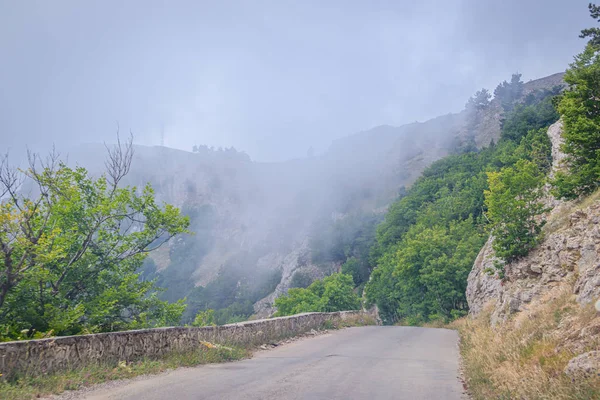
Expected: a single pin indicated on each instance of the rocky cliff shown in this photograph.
(566, 260)
(568, 255)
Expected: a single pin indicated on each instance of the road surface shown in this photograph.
(374, 362)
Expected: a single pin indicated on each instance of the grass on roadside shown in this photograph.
(525, 358)
(559, 218)
(35, 386)
(31, 387)
(350, 321)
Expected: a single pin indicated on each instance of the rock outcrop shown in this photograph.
(484, 285)
(296, 261)
(569, 252)
(585, 364)
(568, 258)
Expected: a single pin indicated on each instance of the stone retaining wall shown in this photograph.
(49, 355)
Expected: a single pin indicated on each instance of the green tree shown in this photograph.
(507, 93)
(514, 208)
(357, 270)
(536, 147)
(70, 255)
(338, 294)
(479, 101)
(592, 33)
(431, 236)
(579, 107)
(205, 318)
(297, 301)
(332, 293)
(301, 279)
(425, 276)
(523, 118)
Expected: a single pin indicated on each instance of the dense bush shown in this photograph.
(431, 236)
(232, 293)
(580, 110)
(71, 254)
(526, 117)
(508, 93)
(205, 318)
(301, 279)
(351, 236)
(514, 208)
(358, 270)
(333, 293)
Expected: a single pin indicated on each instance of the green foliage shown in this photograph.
(333, 293)
(232, 293)
(580, 110)
(424, 276)
(431, 236)
(297, 301)
(525, 117)
(205, 318)
(71, 254)
(592, 33)
(359, 271)
(300, 280)
(338, 294)
(160, 313)
(514, 207)
(509, 92)
(480, 100)
(236, 312)
(537, 148)
(351, 236)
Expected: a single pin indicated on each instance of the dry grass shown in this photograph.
(438, 323)
(525, 359)
(559, 218)
(350, 321)
(358, 320)
(31, 387)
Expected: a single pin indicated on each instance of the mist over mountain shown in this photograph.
(270, 78)
(177, 176)
(258, 225)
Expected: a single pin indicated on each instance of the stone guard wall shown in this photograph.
(49, 355)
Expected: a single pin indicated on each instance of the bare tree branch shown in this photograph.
(10, 179)
(119, 160)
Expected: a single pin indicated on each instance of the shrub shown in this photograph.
(300, 279)
(514, 207)
(580, 110)
(205, 318)
(333, 293)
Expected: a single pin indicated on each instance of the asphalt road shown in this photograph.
(357, 363)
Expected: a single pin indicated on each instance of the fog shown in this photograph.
(272, 78)
(346, 80)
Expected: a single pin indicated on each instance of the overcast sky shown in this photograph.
(271, 78)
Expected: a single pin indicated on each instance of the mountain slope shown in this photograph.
(255, 223)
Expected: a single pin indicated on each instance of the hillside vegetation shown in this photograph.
(251, 249)
(431, 236)
(71, 249)
(421, 254)
(533, 331)
(527, 360)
